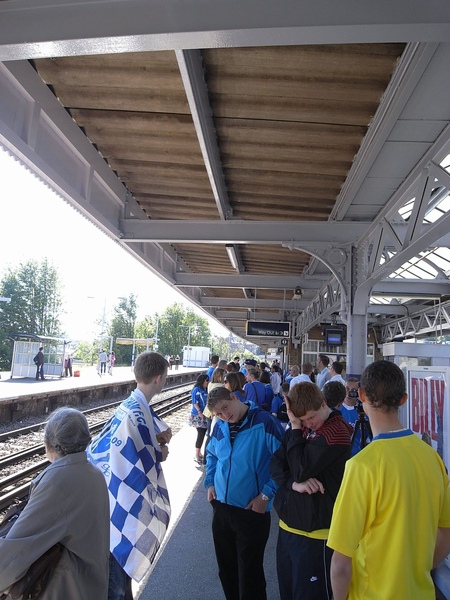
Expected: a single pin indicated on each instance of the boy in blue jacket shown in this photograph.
(240, 491)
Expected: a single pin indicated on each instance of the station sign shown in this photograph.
(280, 329)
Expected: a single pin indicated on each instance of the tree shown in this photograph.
(88, 352)
(35, 308)
(221, 347)
(123, 326)
(176, 326)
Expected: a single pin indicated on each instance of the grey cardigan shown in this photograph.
(68, 504)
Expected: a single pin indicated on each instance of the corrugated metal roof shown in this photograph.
(289, 121)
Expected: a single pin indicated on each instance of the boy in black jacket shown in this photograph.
(308, 467)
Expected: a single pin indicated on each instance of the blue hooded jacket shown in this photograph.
(242, 471)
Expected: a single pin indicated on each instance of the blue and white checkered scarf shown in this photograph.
(138, 497)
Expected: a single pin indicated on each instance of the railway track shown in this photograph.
(16, 485)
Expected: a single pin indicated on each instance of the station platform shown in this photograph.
(185, 566)
(21, 386)
(21, 398)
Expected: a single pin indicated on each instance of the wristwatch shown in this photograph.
(266, 498)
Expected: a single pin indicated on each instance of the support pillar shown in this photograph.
(356, 345)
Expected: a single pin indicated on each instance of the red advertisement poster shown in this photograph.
(428, 402)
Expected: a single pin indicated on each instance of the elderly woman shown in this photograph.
(68, 504)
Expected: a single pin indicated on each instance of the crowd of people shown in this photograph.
(352, 488)
(311, 442)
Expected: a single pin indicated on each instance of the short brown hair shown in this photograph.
(149, 365)
(304, 397)
(285, 388)
(384, 384)
(218, 394)
(334, 392)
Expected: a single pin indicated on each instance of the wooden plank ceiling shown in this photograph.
(289, 121)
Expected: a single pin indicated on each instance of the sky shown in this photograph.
(94, 270)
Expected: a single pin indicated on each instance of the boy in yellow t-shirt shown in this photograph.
(391, 520)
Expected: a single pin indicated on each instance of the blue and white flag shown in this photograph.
(138, 497)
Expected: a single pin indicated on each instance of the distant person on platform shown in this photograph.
(39, 362)
(214, 362)
(129, 452)
(323, 374)
(102, 358)
(237, 363)
(112, 361)
(255, 391)
(351, 415)
(391, 520)
(336, 370)
(68, 361)
(275, 379)
(305, 375)
(177, 362)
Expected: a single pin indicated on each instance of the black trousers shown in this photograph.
(40, 371)
(240, 538)
(303, 567)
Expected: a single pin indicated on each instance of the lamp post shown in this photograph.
(189, 327)
(156, 335)
(156, 340)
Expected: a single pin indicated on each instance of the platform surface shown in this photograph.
(186, 567)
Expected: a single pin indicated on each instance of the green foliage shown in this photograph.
(123, 326)
(6, 346)
(221, 347)
(35, 308)
(177, 326)
(88, 352)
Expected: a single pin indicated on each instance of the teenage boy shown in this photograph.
(129, 452)
(398, 492)
(240, 491)
(214, 362)
(308, 467)
(255, 391)
(334, 393)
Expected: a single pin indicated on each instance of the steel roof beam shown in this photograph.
(192, 75)
(230, 315)
(267, 281)
(411, 288)
(432, 320)
(215, 302)
(392, 309)
(315, 234)
(307, 233)
(46, 28)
